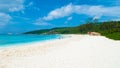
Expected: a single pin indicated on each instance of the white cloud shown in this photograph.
(60, 12)
(69, 18)
(4, 19)
(7, 6)
(94, 11)
(96, 17)
(11, 5)
(41, 22)
(30, 4)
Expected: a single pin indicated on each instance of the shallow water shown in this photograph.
(7, 40)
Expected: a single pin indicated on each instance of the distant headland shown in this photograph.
(110, 29)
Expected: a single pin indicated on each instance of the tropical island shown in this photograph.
(59, 33)
(110, 29)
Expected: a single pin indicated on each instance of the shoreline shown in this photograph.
(72, 51)
(28, 43)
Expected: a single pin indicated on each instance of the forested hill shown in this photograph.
(109, 29)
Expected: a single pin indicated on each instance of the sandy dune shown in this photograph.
(74, 51)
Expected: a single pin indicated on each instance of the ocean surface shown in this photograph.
(11, 40)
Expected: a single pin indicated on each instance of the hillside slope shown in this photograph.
(109, 29)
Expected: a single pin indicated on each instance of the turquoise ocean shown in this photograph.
(12, 40)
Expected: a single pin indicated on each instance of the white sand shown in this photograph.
(77, 51)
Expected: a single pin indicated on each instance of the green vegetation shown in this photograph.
(62, 30)
(109, 29)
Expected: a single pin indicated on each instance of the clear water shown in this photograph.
(7, 40)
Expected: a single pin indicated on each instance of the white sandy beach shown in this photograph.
(75, 51)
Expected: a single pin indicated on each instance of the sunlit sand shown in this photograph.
(73, 51)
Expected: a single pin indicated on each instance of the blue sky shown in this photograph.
(17, 16)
